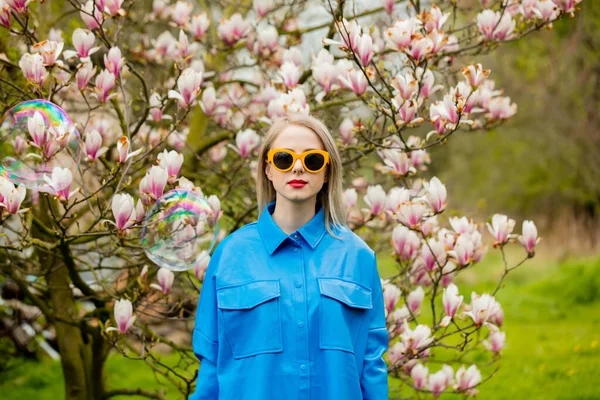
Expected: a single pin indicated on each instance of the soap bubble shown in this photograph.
(180, 230)
(25, 159)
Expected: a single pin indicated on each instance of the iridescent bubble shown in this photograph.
(35, 137)
(180, 230)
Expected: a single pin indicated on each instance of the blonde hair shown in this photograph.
(330, 196)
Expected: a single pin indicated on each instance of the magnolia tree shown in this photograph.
(178, 95)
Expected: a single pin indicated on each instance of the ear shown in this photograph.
(268, 172)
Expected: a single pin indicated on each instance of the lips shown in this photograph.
(297, 181)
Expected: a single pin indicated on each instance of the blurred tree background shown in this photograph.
(544, 163)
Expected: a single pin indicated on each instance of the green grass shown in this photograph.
(552, 322)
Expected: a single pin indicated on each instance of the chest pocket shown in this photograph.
(251, 315)
(343, 310)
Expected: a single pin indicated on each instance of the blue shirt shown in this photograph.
(293, 317)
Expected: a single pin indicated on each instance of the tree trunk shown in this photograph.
(82, 349)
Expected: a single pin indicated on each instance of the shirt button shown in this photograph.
(295, 236)
(298, 283)
(296, 249)
(300, 324)
(303, 367)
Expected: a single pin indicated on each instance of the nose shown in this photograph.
(298, 167)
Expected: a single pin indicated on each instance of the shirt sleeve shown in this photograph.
(205, 336)
(374, 377)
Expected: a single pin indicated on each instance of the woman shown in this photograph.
(292, 305)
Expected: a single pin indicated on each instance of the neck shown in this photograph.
(291, 216)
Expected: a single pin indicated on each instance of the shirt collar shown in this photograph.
(273, 236)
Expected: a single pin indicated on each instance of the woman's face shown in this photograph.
(297, 139)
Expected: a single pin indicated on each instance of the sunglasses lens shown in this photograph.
(314, 161)
(282, 160)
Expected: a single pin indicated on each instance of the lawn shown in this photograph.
(552, 321)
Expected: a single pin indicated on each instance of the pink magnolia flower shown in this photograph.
(215, 206)
(209, 100)
(495, 342)
(90, 19)
(501, 228)
(529, 238)
(199, 25)
(388, 5)
(391, 296)
(349, 197)
(419, 47)
(20, 6)
(84, 43)
(262, 7)
(85, 72)
(325, 74)
(157, 178)
(59, 183)
(411, 213)
(180, 13)
(292, 101)
(113, 61)
(375, 199)
(433, 254)
(419, 373)
(189, 88)
(434, 19)
(439, 381)
(495, 25)
(4, 14)
(451, 302)
(467, 379)
(415, 299)
(354, 80)
(347, 131)
(11, 197)
(408, 115)
(349, 32)
(444, 114)
(481, 309)
(93, 146)
(399, 36)
(123, 210)
(463, 250)
(32, 66)
(113, 7)
(105, 82)
(396, 162)
(427, 80)
(165, 279)
(37, 130)
(123, 153)
(406, 85)
(233, 29)
(500, 108)
(417, 339)
(123, 316)
(475, 74)
(172, 162)
(246, 142)
(364, 49)
(160, 9)
(436, 194)
(405, 242)
(49, 50)
(290, 74)
(202, 266)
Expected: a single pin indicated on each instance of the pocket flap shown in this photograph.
(351, 293)
(247, 295)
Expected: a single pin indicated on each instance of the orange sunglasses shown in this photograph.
(284, 159)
